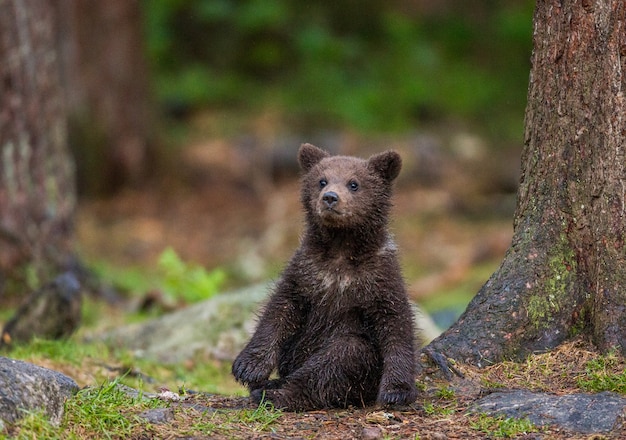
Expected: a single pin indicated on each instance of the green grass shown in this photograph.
(109, 412)
(502, 427)
(106, 411)
(445, 393)
(260, 418)
(93, 362)
(601, 376)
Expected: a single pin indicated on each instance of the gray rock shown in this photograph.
(581, 413)
(219, 327)
(27, 387)
(158, 416)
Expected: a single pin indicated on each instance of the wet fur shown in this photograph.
(338, 328)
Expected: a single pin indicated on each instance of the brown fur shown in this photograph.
(338, 327)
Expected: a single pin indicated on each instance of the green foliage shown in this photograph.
(369, 65)
(128, 279)
(174, 277)
(502, 427)
(445, 403)
(35, 425)
(190, 282)
(104, 412)
(445, 393)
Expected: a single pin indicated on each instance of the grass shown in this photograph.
(572, 367)
(605, 373)
(110, 412)
(105, 412)
(502, 427)
(91, 363)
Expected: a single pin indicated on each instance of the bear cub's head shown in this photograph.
(345, 191)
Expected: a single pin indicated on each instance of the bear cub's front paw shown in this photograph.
(249, 368)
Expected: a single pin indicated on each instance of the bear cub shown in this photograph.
(338, 328)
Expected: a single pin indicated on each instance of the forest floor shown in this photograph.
(443, 411)
(452, 230)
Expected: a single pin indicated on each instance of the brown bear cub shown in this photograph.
(338, 327)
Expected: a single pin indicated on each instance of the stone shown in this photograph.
(219, 327)
(27, 387)
(158, 416)
(581, 412)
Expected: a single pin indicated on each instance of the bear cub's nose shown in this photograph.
(330, 198)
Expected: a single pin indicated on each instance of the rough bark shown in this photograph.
(105, 81)
(565, 270)
(36, 173)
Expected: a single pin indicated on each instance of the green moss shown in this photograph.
(548, 301)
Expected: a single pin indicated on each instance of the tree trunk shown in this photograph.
(565, 271)
(105, 79)
(36, 172)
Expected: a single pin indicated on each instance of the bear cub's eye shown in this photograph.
(353, 185)
(323, 183)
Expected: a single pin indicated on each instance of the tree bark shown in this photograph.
(106, 86)
(36, 172)
(565, 270)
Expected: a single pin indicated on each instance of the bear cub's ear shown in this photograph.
(386, 164)
(309, 155)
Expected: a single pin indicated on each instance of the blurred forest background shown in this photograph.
(186, 116)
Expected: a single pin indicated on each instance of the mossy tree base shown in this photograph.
(565, 271)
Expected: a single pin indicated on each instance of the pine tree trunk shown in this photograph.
(106, 86)
(36, 172)
(565, 271)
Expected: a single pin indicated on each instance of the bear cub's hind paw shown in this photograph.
(398, 395)
(275, 397)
